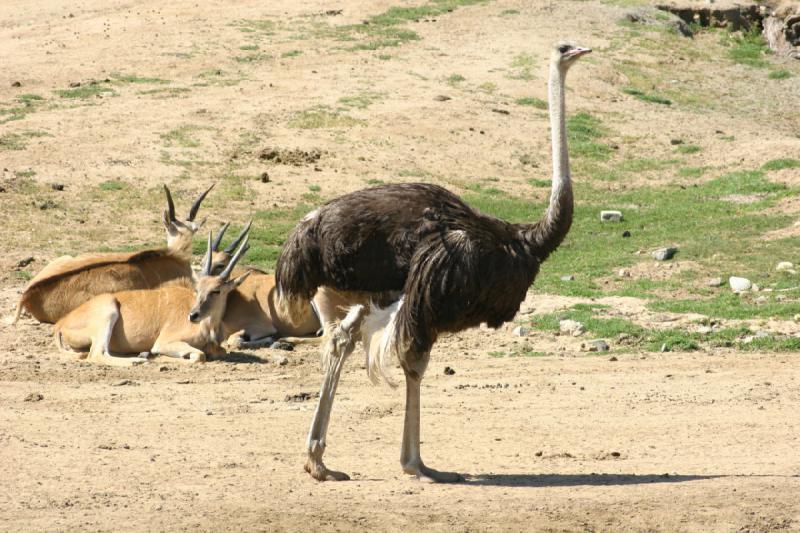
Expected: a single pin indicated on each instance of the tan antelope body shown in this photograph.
(68, 282)
(174, 320)
(252, 318)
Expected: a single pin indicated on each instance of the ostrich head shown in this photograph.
(565, 53)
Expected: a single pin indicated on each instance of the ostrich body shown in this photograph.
(440, 265)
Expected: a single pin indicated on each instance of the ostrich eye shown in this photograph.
(564, 48)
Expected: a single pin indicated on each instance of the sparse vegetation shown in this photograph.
(112, 185)
(780, 164)
(688, 149)
(747, 48)
(322, 117)
(523, 67)
(532, 101)
(646, 97)
(93, 89)
(780, 74)
(583, 132)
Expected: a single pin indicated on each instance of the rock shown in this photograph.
(520, 331)
(441, 98)
(281, 345)
(568, 278)
(22, 263)
(784, 266)
(626, 234)
(598, 345)
(280, 360)
(122, 382)
(739, 284)
(449, 371)
(501, 111)
(300, 397)
(797, 318)
(610, 216)
(664, 348)
(34, 397)
(755, 288)
(664, 254)
(265, 177)
(75, 84)
(572, 327)
(613, 359)
(715, 282)
(704, 330)
(624, 273)
(761, 300)
(16, 84)
(57, 186)
(675, 142)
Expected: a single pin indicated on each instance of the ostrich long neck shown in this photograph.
(548, 233)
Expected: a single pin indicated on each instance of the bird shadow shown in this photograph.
(575, 480)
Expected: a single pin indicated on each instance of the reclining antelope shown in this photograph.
(173, 320)
(252, 319)
(67, 282)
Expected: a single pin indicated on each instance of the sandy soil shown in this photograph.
(688, 442)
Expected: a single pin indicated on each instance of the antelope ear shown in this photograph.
(168, 224)
(238, 281)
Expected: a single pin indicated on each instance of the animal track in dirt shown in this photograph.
(290, 156)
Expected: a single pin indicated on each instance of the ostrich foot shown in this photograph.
(320, 472)
(429, 475)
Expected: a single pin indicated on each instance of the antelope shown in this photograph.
(173, 320)
(67, 282)
(251, 318)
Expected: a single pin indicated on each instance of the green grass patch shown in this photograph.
(780, 164)
(747, 48)
(291, 53)
(646, 97)
(729, 305)
(532, 101)
(112, 185)
(314, 188)
(691, 172)
(688, 149)
(19, 141)
(360, 101)
(25, 173)
(30, 98)
(250, 48)
(583, 132)
(322, 117)
(252, 58)
(182, 137)
(134, 78)
(455, 79)
(524, 66)
(95, 89)
(779, 74)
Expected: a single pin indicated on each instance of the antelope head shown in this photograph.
(221, 258)
(211, 291)
(181, 232)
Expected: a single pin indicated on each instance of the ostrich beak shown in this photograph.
(578, 52)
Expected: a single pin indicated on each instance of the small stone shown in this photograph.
(675, 142)
(664, 254)
(449, 371)
(280, 360)
(715, 282)
(626, 234)
(265, 177)
(784, 266)
(57, 186)
(797, 318)
(121, 382)
(704, 330)
(610, 216)
(755, 288)
(34, 397)
(664, 348)
(441, 98)
(572, 327)
(16, 84)
(761, 300)
(22, 263)
(501, 111)
(568, 278)
(739, 284)
(598, 345)
(613, 359)
(520, 331)
(624, 273)
(281, 345)
(75, 84)
(761, 334)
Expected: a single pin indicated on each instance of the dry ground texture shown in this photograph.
(689, 423)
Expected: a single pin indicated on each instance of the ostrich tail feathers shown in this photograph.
(379, 333)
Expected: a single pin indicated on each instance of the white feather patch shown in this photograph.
(379, 335)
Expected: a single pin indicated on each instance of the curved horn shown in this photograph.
(218, 240)
(196, 204)
(170, 205)
(207, 259)
(235, 259)
(232, 246)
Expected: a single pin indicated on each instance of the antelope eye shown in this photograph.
(564, 48)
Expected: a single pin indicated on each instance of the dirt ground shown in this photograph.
(644, 442)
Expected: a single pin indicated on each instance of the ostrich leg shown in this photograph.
(409, 457)
(337, 347)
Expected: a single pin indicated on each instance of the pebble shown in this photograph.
(573, 327)
(34, 397)
(626, 234)
(611, 216)
(598, 345)
(715, 282)
(784, 265)
(520, 331)
(761, 300)
(281, 345)
(624, 273)
(449, 371)
(739, 284)
(265, 177)
(441, 98)
(568, 278)
(704, 330)
(121, 382)
(664, 254)
(664, 348)
(280, 360)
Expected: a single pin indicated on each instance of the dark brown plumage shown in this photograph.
(455, 266)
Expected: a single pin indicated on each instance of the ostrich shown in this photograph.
(418, 262)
